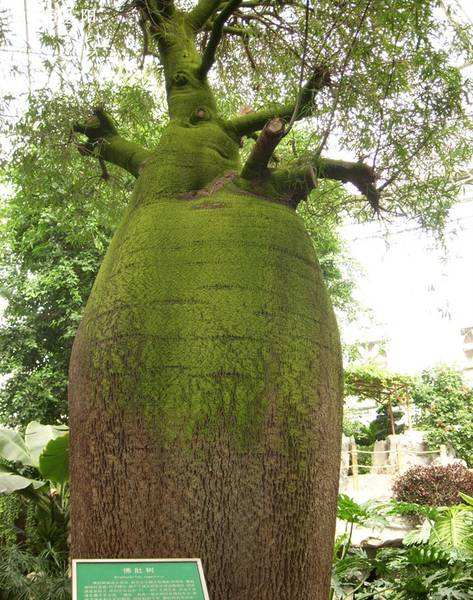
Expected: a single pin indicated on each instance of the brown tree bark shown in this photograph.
(205, 398)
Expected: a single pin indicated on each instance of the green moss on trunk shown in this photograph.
(206, 395)
(216, 300)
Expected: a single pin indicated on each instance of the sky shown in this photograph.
(419, 295)
(412, 294)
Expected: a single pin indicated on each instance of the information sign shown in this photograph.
(142, 579)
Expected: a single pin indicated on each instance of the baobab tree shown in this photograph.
(205, 379)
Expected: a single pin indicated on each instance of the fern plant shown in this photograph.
(24, 576)
(449, 527)
(436, 562)
(420, 573)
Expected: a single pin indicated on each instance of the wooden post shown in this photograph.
(443, 454)
(354, 464)
(391, 417)
(400, 457)
(408, 414)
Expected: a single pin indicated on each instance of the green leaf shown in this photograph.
(13, 448)
(421, 535)
(367, 514)
(453, 529)
(9, 483)
(37, 436)
(54, 461)
(466, 498)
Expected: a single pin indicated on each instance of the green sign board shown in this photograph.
(117, 579)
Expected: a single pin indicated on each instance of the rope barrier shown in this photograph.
(414, 452)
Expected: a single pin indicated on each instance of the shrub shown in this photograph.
(24, 576)
(434, 485)
(10, 511)
(359, 431)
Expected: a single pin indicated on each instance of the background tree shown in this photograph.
(446, 405)
(388, 389)
(59, 216)
(346, 53)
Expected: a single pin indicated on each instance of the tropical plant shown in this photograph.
(447, 527)
(10, 515)
(36, 470)
(352, 566)
(26, 576)
(435, 563)
(58, 218)
(419, 573)
(208, 355)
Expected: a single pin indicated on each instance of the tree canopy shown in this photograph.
(386, 76)
(388, 88)
(372, 382)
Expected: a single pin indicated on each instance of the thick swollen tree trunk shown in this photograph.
(205, 394)
(205, 381)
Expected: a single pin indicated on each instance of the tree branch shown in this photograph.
(265, 3)
(156, 12)
(208, 57)
(301, 180)
(204, 11)
(105, 144)
(160, 8)
(297, 110)
(263, 149)
(242, 32)
(144, 31)
(358, 174)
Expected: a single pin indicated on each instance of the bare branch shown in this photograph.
(301, 180)
(249, 55)
(263, 149)
(144, 31)
(303, 64)
(251, 122)
(105, 144)
(208, 57)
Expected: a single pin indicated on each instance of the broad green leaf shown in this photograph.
(421, 535)
(367, 514)
(37, 437)
(9, 483)
(54, 460)
(13, 448)
(453, 529)
(466, 498)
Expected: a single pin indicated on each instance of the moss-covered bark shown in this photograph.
(206, 375)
